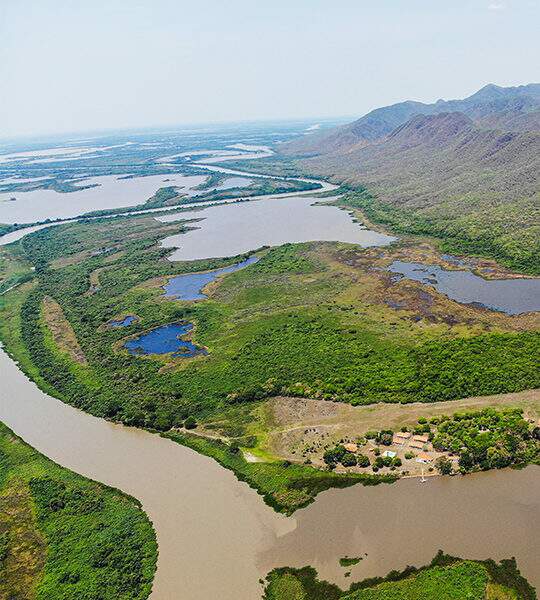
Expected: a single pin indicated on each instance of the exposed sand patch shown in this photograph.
(298, 423)
(62, 332)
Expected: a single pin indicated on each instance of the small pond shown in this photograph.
(190, 285)
(125, 322)
(164, 340)
(511, 296)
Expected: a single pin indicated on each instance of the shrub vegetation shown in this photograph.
(64, 537)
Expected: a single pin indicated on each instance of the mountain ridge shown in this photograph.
(466, 171)
(513, 105)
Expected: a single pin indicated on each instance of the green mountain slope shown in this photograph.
(467, 171)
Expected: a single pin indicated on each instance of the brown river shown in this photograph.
(216, 536)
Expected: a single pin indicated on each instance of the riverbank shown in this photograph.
(195, 504)
(445, 577)
(63, 534)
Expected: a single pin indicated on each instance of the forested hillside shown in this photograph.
(467, 171)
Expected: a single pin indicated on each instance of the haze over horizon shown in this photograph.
(113, 65)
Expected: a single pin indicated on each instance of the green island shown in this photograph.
(349, 561)
(446, 577)
(64, 537)
(298, 346)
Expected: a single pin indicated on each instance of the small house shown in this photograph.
(424, 458)
(389, 454)
(424, 438)
(397, 441)
(351, 447)
(417, 445)
(403, 434)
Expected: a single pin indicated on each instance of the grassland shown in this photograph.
(314, 320)
(64, 537)
(445, 578)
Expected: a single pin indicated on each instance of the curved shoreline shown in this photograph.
(18, 234)
(204, 516)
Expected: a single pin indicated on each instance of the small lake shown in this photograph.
(228, 230)
(164, 340)
(125, 322)
(190, 285)
(511, 296)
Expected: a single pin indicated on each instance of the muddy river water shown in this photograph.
(216, 536)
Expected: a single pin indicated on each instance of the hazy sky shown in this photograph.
(79, 65)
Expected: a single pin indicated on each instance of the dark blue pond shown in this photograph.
(164, 340)
(123, 322)
(512, 296)
(190, 285)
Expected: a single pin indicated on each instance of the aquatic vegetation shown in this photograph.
(512, 296)
(349, 561)
(445, 577)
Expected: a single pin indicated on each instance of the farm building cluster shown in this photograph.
(402, 452)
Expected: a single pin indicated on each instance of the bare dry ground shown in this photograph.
(62, 332)
(295, 424)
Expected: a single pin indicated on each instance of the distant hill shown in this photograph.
(439, 156)
(464, 170)
(514, 106)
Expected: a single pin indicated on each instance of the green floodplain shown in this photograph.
(320, 321)
(308, 320)
(63, 536)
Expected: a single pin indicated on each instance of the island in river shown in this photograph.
(445, 577)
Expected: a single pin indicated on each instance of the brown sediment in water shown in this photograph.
(217, 538)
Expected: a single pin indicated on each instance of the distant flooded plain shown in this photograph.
(109, 191)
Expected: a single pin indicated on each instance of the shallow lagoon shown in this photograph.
(190, 285)
(512, 296)
(228, 230)
(164, 340)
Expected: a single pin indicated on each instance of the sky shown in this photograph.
(70, 66)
